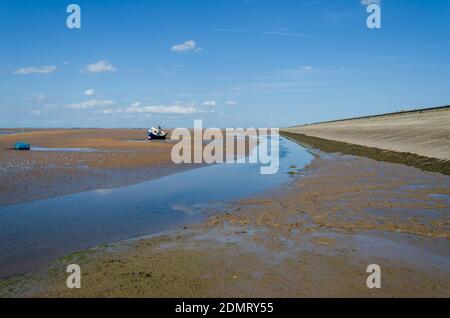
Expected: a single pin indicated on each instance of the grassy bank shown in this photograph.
(409, 159)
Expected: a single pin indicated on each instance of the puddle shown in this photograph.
(166, 141)
(33, 234)
(432, 255)
(405, 214)
(12, 132)
(150, 141)
(416, 187)
(63, 149)
(440, 196)
(380, 247)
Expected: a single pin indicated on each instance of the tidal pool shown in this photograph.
(33, 234)
(62, 149)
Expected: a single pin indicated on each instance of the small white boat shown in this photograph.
(156, 133)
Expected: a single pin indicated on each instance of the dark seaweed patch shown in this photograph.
(409, 159)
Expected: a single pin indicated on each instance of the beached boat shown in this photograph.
(156, 133)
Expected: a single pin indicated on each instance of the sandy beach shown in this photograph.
(312, 238)
(120, 157)
(425, 133)
(102, 159)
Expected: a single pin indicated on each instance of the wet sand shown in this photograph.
(424, 133)
(32, 175)
(33, 234)
(116, 158)
(313, 238)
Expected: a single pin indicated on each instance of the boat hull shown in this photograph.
(157, 137)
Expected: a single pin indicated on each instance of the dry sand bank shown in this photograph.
(425, 133)
(314, 238)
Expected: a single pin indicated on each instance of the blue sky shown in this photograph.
(264, 63)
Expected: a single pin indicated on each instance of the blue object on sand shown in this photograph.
(22, 146)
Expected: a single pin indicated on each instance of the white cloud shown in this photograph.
(210, 103)
(186, 46)
(99, 67)
(231, 103)
(35, 70)
(110, 111)
(305, 68)
(137, 109)
(275, 33)
(90, 104)
(161, 109)
(37, 112)
(89, 92)
(299, 70)
(282, 84)
(40, 97)
(367, 2)
(37, 98)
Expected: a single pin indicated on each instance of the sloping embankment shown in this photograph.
(420, 139)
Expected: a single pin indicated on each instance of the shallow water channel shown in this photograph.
(35, 233)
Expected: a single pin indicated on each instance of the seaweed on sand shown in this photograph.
(409, 159)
